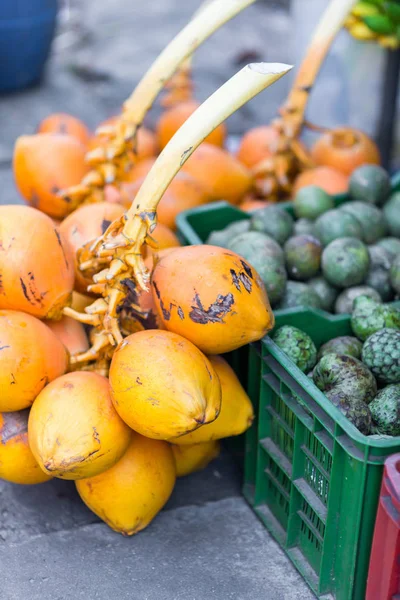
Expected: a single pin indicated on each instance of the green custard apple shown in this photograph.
(273, 221)
(378, 277)
(385, 410)
(391, 211)
(298, 346)
(345, 344)
(223, 236)
(312, 201)
(370, 217)
(370, 183)
(381, 354)
(327, 293)
(299, 294)
(369, 316)
(395, 275)
(336, 224)
(345, 301)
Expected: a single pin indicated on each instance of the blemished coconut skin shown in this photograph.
(30, 356)
(46, 163)
(74, 430)
(17, 463)
(172, 391)
(212, 297)
(236, 414)
(130, 494)
(64, 124)
(36, 265)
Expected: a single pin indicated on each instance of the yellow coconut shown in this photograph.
(74, 430)
(130, 494)
(162, 385)
(30, 356)
(236, 409)
(195, 457)
(17, 463)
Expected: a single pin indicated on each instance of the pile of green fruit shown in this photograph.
(361, 374)
(327, 256)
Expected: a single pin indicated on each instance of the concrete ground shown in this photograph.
(207, 543)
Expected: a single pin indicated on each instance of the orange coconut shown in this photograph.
(17, 463)
(74, 430)
(36, 263)
(44, 164)
(71, 333)
(194, 457)
(211, 296)
(330, 180)
(236, 413)
(31, 356)
(251, 204)
(85, 225)
(65, 124)
(139, 170)
(345, 149)
(257, 145)
(173, 391)
(130, 494)
(172, 119)
(221, 174)
(145, 143)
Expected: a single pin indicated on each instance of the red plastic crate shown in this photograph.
(384, 567)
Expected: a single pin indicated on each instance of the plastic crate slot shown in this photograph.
(311, 535)
(327, 442)
(272, 381)
(272, 449)
(278, 491)
(281, 437)
(283, 412)
(310, 497)
(317, 480)
(318, 453)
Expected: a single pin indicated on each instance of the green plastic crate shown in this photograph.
(195, 225)
(311, 477)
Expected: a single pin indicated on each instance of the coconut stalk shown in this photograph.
(120, 248)
(290, 156)
(110, 163)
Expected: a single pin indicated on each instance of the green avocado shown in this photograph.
(391, 244)
(302, 256)
(326, 292)
(304, 227)
(298, 346)
(381, 354)
(391, 211)
(345, 344)
(345, 262)
(312, 201)
(370, 183)
(336, 224)
(223, 236)
(349, 385)
(369, 316)
(299, 294)
(395, 275)
(345, 301)
(378, 277)
(266, 256)
(385, 410)
(274, 221)
(371, 219)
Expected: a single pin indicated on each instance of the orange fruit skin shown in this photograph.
(44, 164)
(173, 391)
(164, 237)
(331, 150)
(84, 225)
(31, 355)
(329, 179)
(65, 124)
(257, 144)
(36, 263)
(194, 457)
(172, 119)
(17, 463)
(221, 174)
(251, 204)
(130, 494)
(212, 297)
(139, 169)
(71, 333)
(73, 428)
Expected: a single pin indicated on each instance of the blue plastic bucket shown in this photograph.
(26, 33)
